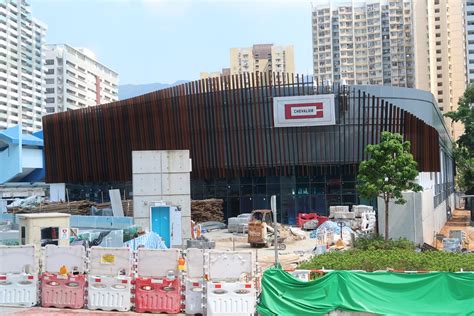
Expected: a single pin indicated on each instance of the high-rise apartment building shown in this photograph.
(363, 42)
(215, 74)
(21, 66)
(440, 54)
(262, 58)
(408, 43)
(469, 25)
(75, 79)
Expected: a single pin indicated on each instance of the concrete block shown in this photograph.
(343, 215)
(359, 209)
(146, 161)
(147, 184)
(200, 244)
(175, 161)
(176, 183)
(333, 209)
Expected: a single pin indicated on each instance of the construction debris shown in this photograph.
(207, 210)
(83, 207)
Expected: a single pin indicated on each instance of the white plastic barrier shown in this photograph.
(230, 298)
(109, 279)
(194, 283)
(18, 276)
(193, 296)
(230, 290)
(303, 275)
(109, 293)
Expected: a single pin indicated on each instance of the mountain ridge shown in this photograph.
(127, 91)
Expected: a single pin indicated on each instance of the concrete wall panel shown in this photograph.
(175, 161)
(176, 183)
(146, 161)
(147, 184)
(141, 204)
(416, 220)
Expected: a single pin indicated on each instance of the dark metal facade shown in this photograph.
(227, 124)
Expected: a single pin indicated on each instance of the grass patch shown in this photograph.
(398, 259)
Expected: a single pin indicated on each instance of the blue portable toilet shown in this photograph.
(165, 220)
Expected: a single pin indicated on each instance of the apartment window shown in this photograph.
(50, 72)
(438, 35)
(49, 90)
(438, 60)
(440, 84)
(438, 43)
(437, 19)
(49, 81)
(49, 110)
(49, 100)
(436, 10)
(437, 27)
(49, 61)
(439, 76)
(440, 100)
(441, 108)
(439, 68)
(438, 51)
(440, 92)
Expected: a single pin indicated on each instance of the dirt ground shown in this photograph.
(460, 221)
(295, 251)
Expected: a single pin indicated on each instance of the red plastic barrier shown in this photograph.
(62, 292)
(322, 219)
(306, 217)
(157, 295)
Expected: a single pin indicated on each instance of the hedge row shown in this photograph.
(398, 259)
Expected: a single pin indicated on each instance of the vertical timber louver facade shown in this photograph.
(237, 153)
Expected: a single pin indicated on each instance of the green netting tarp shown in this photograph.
(386, 293)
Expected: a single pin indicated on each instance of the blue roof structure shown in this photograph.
(21, 156)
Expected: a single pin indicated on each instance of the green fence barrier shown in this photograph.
(386, 293)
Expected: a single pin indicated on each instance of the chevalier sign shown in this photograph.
(310, 110)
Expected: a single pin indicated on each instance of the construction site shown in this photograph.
(192, 198)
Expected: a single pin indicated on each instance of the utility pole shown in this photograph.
(275, 230)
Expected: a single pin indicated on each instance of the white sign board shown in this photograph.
(64, 234)
(310, 110)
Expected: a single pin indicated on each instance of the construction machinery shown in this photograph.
(260, 230)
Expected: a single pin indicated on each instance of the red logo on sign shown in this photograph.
(304, 111)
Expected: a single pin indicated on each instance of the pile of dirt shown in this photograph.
(207, 210)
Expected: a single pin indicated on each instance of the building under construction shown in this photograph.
(281, 136)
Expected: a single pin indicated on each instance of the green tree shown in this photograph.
(464, 147)
(388, 172)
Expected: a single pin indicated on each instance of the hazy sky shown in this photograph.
(167, 40)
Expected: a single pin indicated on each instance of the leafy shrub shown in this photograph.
(398, 259)
(377, 242)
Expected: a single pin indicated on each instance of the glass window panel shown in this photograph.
(233, 190)
(260, 189)
(348, 188)
(318, 188)
(246, 190)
